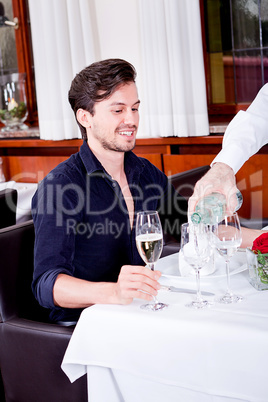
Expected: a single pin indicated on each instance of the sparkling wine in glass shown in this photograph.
(197, 251)
(226, 238)
(149, 241)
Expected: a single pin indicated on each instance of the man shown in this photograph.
(245, 135)
(84, 210)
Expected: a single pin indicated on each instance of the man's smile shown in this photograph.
(127, 133)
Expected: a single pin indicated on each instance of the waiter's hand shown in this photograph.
(220, 178)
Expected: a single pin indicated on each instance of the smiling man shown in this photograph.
(84, 210)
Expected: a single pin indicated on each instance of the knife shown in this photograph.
(182, 290)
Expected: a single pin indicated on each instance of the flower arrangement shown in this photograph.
(17, 112)
(260, 248)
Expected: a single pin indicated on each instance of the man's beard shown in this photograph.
(113, 146)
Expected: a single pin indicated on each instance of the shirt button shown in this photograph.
(114, 184)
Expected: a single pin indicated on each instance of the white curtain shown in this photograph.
(173, 68)
(62, 46)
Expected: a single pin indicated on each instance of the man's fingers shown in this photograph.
(139, 270)
(232, 201)
(137, 281)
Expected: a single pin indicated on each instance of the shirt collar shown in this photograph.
(91, 163)
(133, 164)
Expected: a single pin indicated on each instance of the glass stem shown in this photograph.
(151, 265)
(229, 292)
(198, 292)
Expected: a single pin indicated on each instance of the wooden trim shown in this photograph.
(25, 57)
(205, 53)
(148, 143)
(36, 143)
(143, 145)
(217, 112)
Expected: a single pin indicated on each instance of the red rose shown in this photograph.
(261, 244)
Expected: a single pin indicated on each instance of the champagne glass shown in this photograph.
(197, 251)
(149, 241)
(226, 238)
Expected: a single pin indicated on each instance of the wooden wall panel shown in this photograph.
(155, 159)
(252, 181)
(179, 163)
(30, 169)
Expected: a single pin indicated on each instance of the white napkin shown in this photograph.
(187, 270)
(7, 184)
(25, 194)
(190, 251)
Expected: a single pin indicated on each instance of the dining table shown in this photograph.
(178, 354)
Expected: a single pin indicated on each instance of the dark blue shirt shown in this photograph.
(82, 224)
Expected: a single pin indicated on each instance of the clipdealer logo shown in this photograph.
(107, 227)
(55, 200)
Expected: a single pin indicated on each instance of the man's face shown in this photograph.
(115, 122)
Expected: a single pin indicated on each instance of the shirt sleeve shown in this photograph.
(246, 133)
(52, 204)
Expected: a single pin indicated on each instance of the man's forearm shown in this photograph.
(71, 292)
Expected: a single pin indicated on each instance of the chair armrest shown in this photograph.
(37, 355)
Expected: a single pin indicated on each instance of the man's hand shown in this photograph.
(136, 282)
(220, 178)
(133, 281)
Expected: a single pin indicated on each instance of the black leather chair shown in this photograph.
(8, 207)
(184, 183)
(31, 348)
(253, 223)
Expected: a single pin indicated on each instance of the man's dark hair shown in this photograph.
(97, 82)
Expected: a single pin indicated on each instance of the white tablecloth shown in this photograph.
(25, 194)
(177, 354)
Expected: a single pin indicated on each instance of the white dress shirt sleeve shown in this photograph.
(246, 133)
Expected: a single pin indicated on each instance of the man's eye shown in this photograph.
(118, 111)
(135, 109)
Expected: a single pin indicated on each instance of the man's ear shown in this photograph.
(83, 117)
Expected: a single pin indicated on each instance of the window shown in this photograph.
(16, 49)
(235, 39)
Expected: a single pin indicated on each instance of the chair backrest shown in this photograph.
(8, 207)
(31, 349)
(16, 272)
(184, 182)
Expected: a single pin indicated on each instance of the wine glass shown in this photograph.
(226, 238)
(149, 241)
(197, 251)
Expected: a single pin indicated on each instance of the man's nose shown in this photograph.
(131, 117)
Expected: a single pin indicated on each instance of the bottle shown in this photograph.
(211, 209)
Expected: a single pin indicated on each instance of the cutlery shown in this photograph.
(182, 290)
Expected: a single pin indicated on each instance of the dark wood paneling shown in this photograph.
(179, 163)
